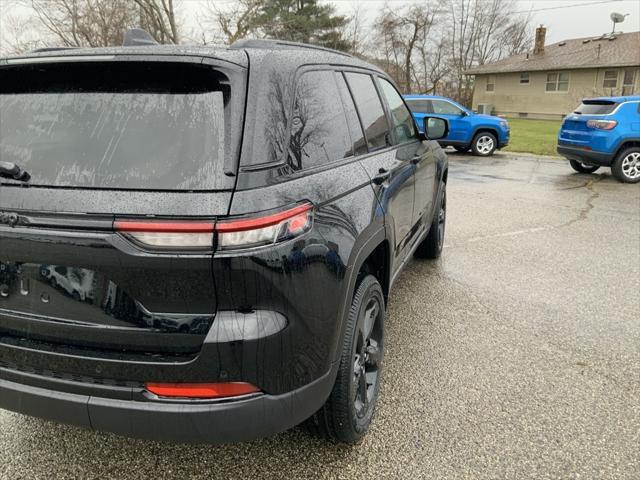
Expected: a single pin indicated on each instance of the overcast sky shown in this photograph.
(564, 19)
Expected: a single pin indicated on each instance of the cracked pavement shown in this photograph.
(516, 355)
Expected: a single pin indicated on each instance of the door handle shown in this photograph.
(383, 174)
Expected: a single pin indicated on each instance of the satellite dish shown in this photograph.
(617, 17)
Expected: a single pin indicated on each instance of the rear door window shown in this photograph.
(117, 125)
(596, 107)
(445, 108)
(420, 105)
(369, 106)
(319, 131)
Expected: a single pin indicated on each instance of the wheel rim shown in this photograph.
(484, 144)
(367, 358)
(631, 165)
(442, 218)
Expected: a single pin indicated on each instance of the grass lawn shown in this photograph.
(533, 136)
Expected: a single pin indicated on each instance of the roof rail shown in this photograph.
(268, 43)
(136, 37)
(51, 49)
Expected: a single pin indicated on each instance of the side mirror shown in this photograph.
(435, 128)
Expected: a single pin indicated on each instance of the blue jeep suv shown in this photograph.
(467, 130)
(604, 132)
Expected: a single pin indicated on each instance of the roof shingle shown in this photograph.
(621, 50)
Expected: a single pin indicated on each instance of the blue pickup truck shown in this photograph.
(483, 134)
(604, 132)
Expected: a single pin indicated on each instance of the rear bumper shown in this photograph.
(227, 421)
(585, 156)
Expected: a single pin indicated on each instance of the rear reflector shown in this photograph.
(201, 390)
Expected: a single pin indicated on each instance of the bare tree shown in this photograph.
(18, 35)
(402, 32)
(159, 18)
(85, 23)
(236, 22)
(482, 31)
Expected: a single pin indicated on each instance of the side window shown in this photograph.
(372, 115)
(445, 108)
(401, 119)
(420, 106)
(319, 131)
(359, 143)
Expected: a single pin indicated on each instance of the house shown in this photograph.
(550, 81)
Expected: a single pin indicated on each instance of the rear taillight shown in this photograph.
(231, 234)
(602, 124)
(264, 230)
(168, 235)
(201, 390)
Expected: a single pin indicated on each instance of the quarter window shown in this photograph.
(491, 83)
(557, 82)
(403, 126)
(318, 128)
(369, 107)
(610, 79)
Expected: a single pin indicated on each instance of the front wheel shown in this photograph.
(347, 413)
(583, 167)
(484, 144)
(626, 166)
(431, 246)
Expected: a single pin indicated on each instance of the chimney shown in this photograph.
(538, 46)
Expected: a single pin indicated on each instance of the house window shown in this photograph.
(610, 79)
(524, 79)
(557, 82)
(491, 83)
(629, 82)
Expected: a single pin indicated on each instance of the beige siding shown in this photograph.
(512, 99)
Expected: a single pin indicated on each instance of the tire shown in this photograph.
(583, 167)
(462, 149)
(484, 144)
(345, 417)
(431, 246)
(626, 166)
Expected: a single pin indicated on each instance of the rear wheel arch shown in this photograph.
(628, 143)
(373, 256)
(377, 263)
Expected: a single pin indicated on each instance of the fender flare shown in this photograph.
(356, 260)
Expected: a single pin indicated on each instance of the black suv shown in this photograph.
(198, 243)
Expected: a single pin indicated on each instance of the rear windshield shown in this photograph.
(127, 125)
(596, 107)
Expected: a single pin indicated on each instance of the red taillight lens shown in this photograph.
(264, 230)
(235, 233)
(602, 124)
(168, 235)
(201, 390)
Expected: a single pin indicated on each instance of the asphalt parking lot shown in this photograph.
(517, 355)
